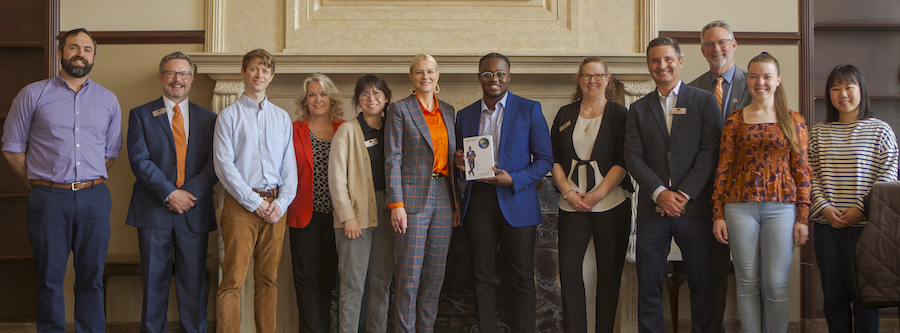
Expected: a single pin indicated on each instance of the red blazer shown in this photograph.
(300, 211)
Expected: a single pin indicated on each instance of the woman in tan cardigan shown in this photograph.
(363, 235)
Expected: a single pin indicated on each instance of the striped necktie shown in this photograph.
(180, 144)
(719, 93)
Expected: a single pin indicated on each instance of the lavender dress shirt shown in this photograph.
(65, 136)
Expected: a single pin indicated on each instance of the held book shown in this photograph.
(478, 152)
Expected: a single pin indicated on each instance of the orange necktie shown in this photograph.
(180, 144)
(719, 94)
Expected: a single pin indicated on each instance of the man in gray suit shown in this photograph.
(717, 44)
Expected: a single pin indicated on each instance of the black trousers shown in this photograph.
(610, 231)
(486, 227)
(721, 260)
(694, 236)
(314, 259)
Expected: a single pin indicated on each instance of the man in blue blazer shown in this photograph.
(504, 208)
(172, 203)
(671, 150)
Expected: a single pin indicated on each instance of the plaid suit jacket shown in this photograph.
(409, 154)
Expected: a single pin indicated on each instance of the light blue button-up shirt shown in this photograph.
(492, 124)
(253, 149)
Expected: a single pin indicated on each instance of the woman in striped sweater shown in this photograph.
(848, 153)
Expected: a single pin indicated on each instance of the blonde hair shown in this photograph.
(782, 113)
(336, 110)
(421, 56)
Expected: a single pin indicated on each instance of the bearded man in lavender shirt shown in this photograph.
(60, 137)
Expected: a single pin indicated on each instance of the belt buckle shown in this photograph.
(435, 175)
(73, 185)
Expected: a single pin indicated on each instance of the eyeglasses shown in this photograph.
(721, 43)
(488, 75)
(171, 74)
(377, 94)
(598, 77)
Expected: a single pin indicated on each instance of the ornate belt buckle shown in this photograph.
(73, 185)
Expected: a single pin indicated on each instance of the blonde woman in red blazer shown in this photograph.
(310, 216)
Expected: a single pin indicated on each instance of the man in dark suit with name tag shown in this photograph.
(671, 150)
(504, 209)
(729, 84)
(170, 149)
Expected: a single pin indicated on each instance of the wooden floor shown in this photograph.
(684, 326)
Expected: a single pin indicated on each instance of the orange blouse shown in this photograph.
(756, 163)
(439, 137)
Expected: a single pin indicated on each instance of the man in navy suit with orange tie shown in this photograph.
(170, 149)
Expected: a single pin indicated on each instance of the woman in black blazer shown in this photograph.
(589, 169)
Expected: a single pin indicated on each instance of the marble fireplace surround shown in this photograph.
(548, 79)
(545, 41)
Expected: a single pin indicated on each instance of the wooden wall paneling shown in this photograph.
(22, 65)
(148, 37)
(858, 11)
(744, 38)
(18, 283)
(51, 22)
(809, 282)
(865, 50)
(19, 20)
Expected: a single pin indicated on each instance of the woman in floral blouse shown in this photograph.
(762, 196)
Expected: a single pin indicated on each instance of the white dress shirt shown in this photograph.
(253, 149)
(492, 123)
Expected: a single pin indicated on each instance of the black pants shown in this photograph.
(485, 226)
(721, 260)
(610, 231)
(835, 253)
(694, 236)
(314, 259)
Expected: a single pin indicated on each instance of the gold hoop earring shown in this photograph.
(437, 88)
(412, 91)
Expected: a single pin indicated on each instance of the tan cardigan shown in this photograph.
(350, 177)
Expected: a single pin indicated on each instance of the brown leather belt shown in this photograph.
(273, 193)
(69, 186)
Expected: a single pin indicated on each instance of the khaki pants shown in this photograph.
(242, 231)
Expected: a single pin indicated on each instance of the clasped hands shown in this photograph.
(268, 211)
(671, 203)
(179, 201)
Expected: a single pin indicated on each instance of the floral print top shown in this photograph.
(756, 163)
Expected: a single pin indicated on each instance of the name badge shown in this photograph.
(371, 143)
(679, 111)
(561, 128)
(159, 112)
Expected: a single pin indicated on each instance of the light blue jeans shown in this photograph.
(761, 238)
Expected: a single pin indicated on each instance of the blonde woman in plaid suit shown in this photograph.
(420, 140)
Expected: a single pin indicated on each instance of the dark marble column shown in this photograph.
(457, 303)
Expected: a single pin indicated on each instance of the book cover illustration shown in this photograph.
(479, 155)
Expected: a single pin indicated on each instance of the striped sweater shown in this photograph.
(846, 159)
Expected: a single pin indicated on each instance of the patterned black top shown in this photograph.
(321, 194)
